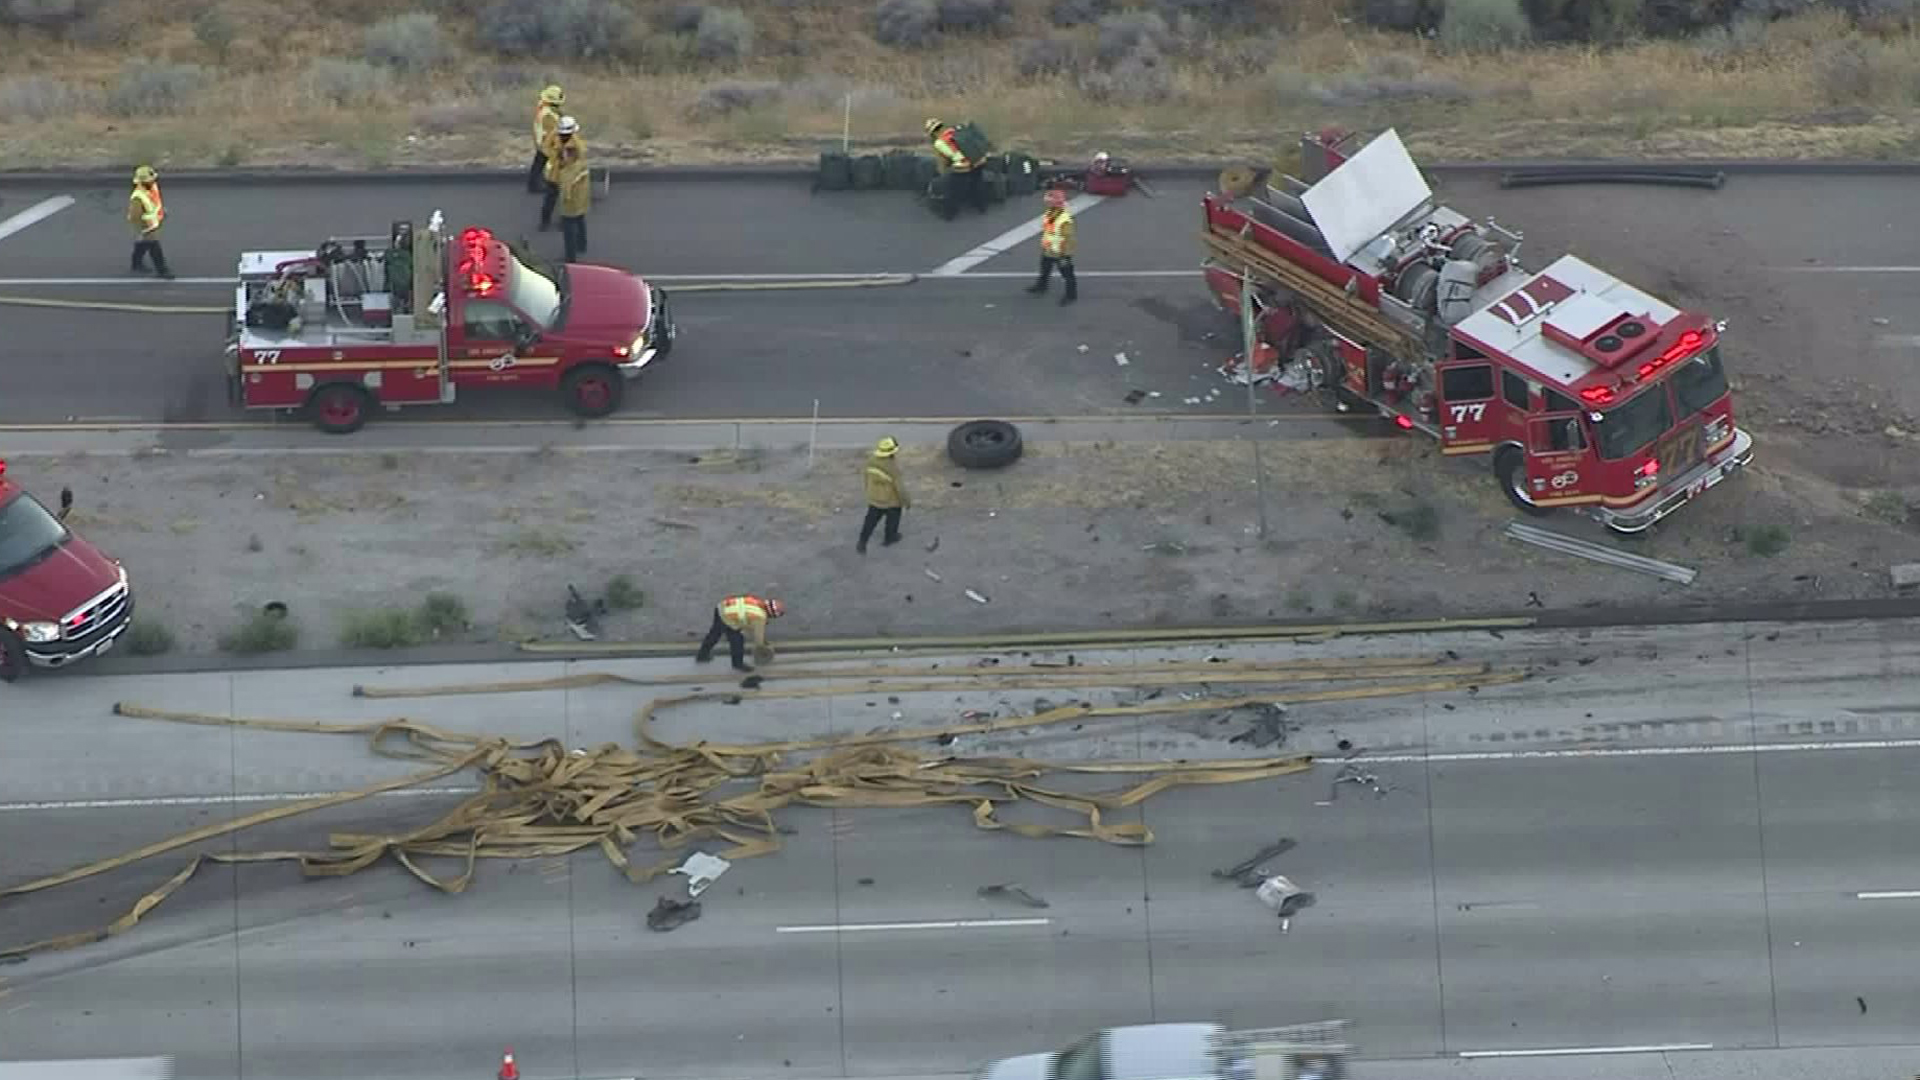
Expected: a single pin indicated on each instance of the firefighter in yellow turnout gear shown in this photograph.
(886, 494)
(963, 173)
(546, 117)
(574, 181)
(736, 617)
(1057, 245)
(146, 213)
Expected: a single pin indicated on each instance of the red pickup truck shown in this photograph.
(61, 599)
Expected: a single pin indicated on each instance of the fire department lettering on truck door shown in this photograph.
(1467, 414)
(1556, 456)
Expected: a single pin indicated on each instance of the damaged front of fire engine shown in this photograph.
(1587, 393)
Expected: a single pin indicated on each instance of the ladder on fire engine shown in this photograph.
(1350, 318)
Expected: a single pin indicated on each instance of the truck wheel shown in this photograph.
(13, 658)
(985, 444)
(593, 391)
(1510, 467)
(338, 408)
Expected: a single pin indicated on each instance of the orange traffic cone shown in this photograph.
(508, 1070)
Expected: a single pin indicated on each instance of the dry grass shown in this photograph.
(1809, 86)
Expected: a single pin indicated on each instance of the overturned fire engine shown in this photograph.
(1587, 392)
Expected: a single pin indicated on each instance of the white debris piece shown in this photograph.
(976, 597)
(1083, 348)
(933, 575)
(1297, 379)
(701, 870)
(1121, 359)
(1276, 891)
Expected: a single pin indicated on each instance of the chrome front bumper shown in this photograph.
(59, 654)
(1681, 491)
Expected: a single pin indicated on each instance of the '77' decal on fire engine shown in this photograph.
(1475, 412)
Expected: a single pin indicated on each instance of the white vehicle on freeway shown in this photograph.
(1188, 1051)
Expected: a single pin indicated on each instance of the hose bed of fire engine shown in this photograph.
(542, 798)
(875, 282)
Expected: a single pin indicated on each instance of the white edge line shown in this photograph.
(954, 924)
(1574, 1051)
(1890, 894)
(35, 214)
(984, 275)
(1441, 758)
(1005, 242)
(1907, 341)
(1846, 269)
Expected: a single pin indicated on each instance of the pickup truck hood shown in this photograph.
(1025, 1067)
(607, 305)
(54, 586)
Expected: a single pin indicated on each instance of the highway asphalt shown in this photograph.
(955, 345)
(1661, 839)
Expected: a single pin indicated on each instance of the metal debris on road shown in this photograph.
(1600, 553)
(933, 544)
(1284, 897)
(1135, 397)
(1250, 872)
(582, 617)
(1354, 774)
(1013, 891)
(976, 597)
(934, 576)
(1165, 547)
(1906, 576)
(671, 914)
(1120, 358)
(701, 870)
(1269, 726)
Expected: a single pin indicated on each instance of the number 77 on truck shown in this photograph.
(1586, 392)
(412, 317)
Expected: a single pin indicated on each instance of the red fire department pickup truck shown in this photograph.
(1586, 392)
(61, 600)
(409, 318)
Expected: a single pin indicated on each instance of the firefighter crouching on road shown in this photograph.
(1056, 246)
(736, 617)
(886, 494)
(546, 117)
(963, 173)
(575, 181)
(146, 213)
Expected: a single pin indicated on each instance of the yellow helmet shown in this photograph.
(553, 95)
(886, 447)
(933, 125)
(145, 175)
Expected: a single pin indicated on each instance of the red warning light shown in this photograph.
(1688, 344)
(1650, 468)
(1405, 423)
(1598, 395)
(476, 247)
(3, 468)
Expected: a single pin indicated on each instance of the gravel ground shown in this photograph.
(1073, 536)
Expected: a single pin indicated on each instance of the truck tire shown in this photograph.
(1510, 469)
(13, 657)
(593, 391)
(339, 408)
(984, 444)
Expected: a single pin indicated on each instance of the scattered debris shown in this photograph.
(1285, 898)
(934, 576)
(1269, 726)
(976, 597)
(934, 544)
(1249, 873)
(701, 870)
(1121, 359)
(671, 914)
(864, 881)
(752, 682)
(1165, 547)
(1354, 774)
(1014, 891)
(1600, 553)
(1135, 397)
(1081, 348)
(672, 524)
(1906, 576)
(1862, 1002)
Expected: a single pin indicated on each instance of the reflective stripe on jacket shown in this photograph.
(948, 147)
(884, 487)
(545, 119)
(1056, 234)
(574, 180)
(747, 613)
(145, 211)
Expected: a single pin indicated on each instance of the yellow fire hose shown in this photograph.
(540, 798)
(874, 282)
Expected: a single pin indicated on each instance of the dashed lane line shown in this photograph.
(34, 215)
(1005, 242)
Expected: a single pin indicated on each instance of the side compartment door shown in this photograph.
(1468, 413)
(1558, 453)
(484, 347)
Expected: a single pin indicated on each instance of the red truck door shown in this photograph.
(1557, 453)
(1470, 414)
(486, 342)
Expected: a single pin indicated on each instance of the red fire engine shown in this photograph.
(1588, 392)
(409, 318)
(61, 599)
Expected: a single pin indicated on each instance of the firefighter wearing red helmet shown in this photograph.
(1057, 245)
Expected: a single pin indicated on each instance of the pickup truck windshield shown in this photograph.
(535, 294)
(1081, 1061)
(1700, 382)
(1629, 428)
(28, 533)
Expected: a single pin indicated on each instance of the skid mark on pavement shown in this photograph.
(1020, 233)
(35, 214)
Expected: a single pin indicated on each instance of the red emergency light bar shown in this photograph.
(476, 246)
(1688, 344)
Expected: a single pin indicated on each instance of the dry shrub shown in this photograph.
(1078, 12)
(148, 86)
(38, 97)
(735, 95)
(410, 43)
(723, 34)
(1474, 25)
(906, 24)
(1048, 55)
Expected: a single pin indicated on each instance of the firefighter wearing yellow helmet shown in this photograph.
(886, 494)
(146, 213)
(963, 179)
(546, 117)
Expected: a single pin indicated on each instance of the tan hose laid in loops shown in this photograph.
(538, 798)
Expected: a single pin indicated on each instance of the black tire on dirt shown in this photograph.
(339, 408)
(985, 444)
(593, 391)
(13, 658)
(1510, 469)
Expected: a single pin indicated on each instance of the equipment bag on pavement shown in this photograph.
(1023, 172)
(869, 174)
(972, 141)
(995, 182)
(836, 172)
(903, 171)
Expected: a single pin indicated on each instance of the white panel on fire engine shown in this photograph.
(1365, 197)
(263, 263)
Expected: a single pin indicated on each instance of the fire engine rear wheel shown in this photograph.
(1510, 467)
(13, 658)
(338, 408)
(593, 391)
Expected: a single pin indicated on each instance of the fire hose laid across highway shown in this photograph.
(539, 798)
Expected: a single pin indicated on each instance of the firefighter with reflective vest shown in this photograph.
(736, 617)
(962, 173)
(146, 213)
(546, 117)
(886, 494)
(575, 183)
(1056, 246)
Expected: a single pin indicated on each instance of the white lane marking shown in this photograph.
(984, 275)
(34, 215)
(957, 924)
(1847, 269)
(1573, 1051)
(1891, 894)
(1900, 341)
(1441, 758)
(1020, 233)
(216, 800)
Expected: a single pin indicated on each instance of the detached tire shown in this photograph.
(1510, 469)
(593, 391)
(339, 408)
(985, 444)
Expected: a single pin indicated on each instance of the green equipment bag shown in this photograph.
(995, 182)
(836, 172)
(869, 173)
(972, 141)
(903, 171)
(1023, 172)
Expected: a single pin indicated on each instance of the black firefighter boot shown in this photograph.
(1039, 286)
